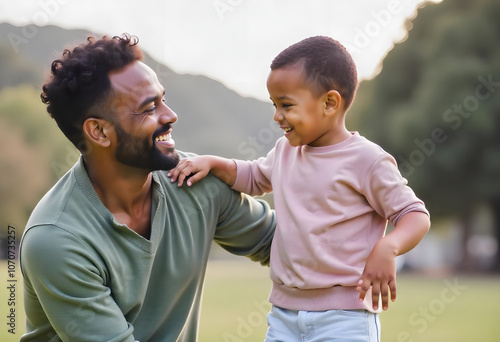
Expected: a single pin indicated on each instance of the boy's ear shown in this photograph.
(98, 131)
(333, 102)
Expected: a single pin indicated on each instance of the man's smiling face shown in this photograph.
(143, 122)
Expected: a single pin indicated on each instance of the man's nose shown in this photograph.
(167, 115)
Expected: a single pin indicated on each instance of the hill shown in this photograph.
(212, 118)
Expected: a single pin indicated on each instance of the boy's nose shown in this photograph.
(278, 116)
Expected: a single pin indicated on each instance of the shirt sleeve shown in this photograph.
(245, 225)
(65, 290)
(387, 191)
(254, 177)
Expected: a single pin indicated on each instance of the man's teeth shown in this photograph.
(287, 129)
(163, 137)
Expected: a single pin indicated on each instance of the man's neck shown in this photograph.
(125, 191)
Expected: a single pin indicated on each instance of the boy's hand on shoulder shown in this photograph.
(190, 170)
(379, 275)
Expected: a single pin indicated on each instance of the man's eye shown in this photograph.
(150, 110)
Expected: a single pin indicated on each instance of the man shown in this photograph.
(115, 251)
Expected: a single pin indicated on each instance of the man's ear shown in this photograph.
(98, 131)
(333, 102)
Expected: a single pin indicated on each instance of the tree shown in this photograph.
(33, 152)
(435, 107)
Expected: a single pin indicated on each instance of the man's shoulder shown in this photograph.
(210, 192)
(49, 208)
(68, 204)
(207, 183)
(184, 155)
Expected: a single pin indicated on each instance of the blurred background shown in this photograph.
(429, 95)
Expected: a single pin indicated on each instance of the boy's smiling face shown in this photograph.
(300, 113)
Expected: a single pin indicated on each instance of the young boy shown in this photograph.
(331, 262)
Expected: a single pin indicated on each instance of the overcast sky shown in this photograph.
(232, 41)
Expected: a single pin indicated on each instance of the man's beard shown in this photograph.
(137, 152)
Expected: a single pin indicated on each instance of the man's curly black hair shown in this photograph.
(79, 85)
(326, 63)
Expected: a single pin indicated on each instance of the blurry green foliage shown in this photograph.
(436, 106)
(33, 153)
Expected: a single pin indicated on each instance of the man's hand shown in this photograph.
(380, 275)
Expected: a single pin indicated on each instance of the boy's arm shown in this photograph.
(380, 268)
(196, 168)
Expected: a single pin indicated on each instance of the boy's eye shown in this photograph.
(283, 105)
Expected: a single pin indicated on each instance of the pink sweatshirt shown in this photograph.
(332, 205)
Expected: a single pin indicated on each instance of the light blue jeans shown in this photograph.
(322, 326)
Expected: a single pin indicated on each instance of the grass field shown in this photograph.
(456, 308)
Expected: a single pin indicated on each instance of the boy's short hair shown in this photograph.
(326, 63)
(79, 82)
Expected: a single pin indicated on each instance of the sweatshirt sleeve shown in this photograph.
(254, 177)
(65, 289)
(387, 191)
